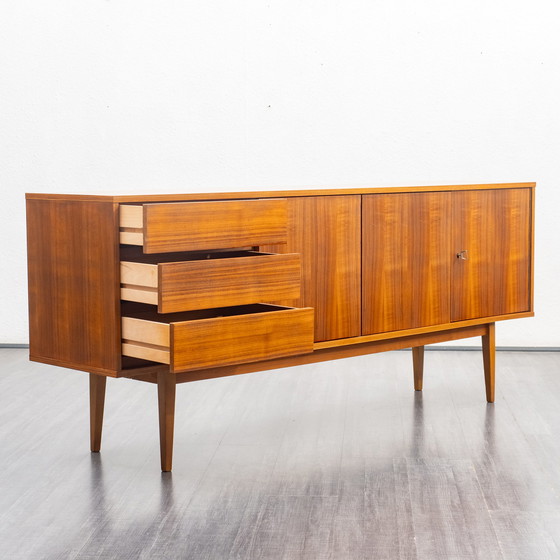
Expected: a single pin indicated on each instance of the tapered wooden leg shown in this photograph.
(97, 385)
(489, 357)
(166, 401)
(418, 366)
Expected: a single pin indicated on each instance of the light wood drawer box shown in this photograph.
(211, 280)
(203, 226)
(219, 337)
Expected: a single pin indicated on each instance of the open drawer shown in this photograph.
(218, 337)
(203, 226)
(210, 280)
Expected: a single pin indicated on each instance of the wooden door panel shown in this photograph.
(325, 230)
(405, 261)
(493, 226)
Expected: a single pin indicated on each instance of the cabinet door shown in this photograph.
(405, 261)
(325, 230)
(493, 277)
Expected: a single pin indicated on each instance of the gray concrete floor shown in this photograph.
(341, 460)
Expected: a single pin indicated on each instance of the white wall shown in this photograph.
(194, 96)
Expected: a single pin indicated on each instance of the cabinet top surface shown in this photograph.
(182, 196)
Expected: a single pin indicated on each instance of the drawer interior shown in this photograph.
(133, 254)
(148, 314)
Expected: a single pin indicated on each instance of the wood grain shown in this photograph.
(214, 337)
(319, 191)
(131, 216)
(418, 367)
(152, 331)
(489, 359)
(139, 274)
(337, 352)
(73, 284)
(225, 282)
(145, 351)
(344, 348)
(240, 338)
(205, 284)
(166, 409)
(532, 251)
(201, 226)
(146, 339)
(326, 232)
(411, 282)
(405, 261)
(97, 384)
(494, 226)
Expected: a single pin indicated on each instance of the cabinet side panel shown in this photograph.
(73, 284)
(495, 228)
(405, 261)
(326, 231)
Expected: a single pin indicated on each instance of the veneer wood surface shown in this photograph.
(74, 284)
(495, 227)
(213, 225)
(406, 261)
(326, 232)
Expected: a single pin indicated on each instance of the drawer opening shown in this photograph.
(217, 337)
(134, 254)
(206, 280)
(196, 315)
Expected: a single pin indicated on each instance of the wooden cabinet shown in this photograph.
(175, 288)
(439, 257)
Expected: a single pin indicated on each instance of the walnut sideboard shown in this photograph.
(170, 288)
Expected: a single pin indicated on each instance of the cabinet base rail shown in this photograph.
(167, 382)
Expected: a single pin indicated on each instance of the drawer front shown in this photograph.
(205, 284)
(201, 226)
(236, 340)
(222, 340)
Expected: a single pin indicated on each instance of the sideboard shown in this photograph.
(171, 288)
